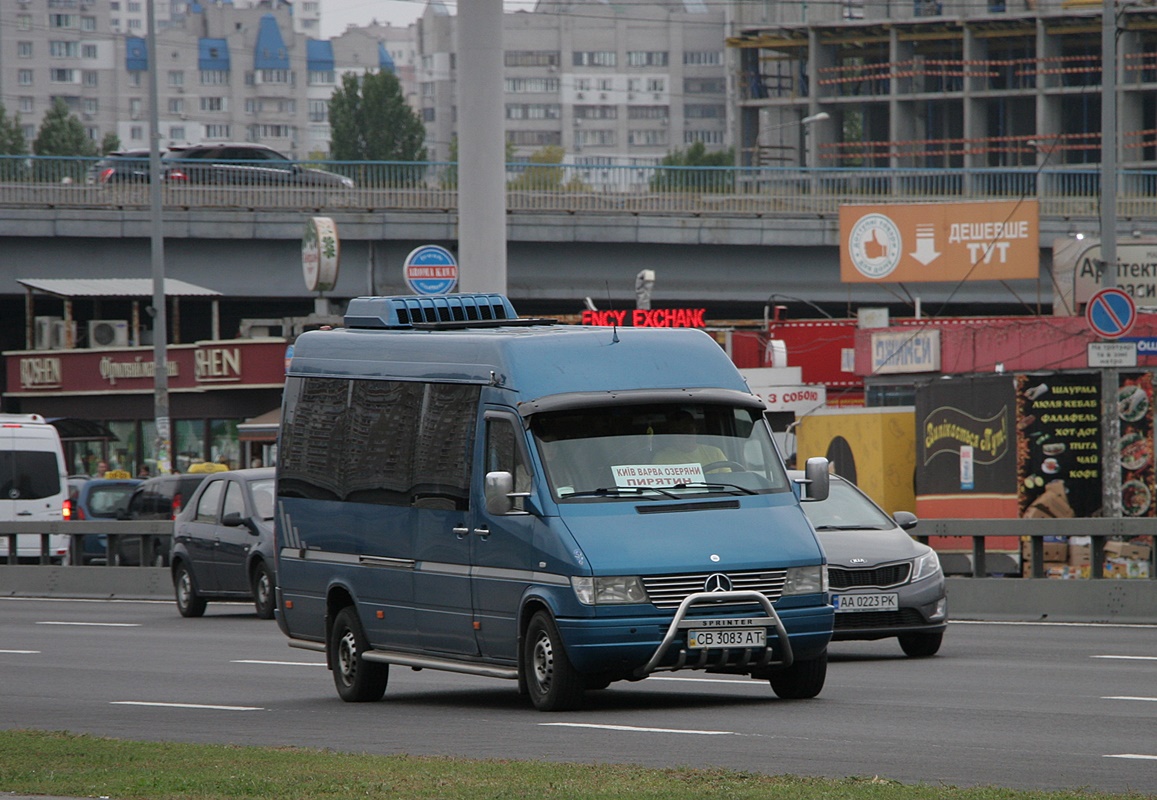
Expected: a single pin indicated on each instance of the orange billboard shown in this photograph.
(929, 242)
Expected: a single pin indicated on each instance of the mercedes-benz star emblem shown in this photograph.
(718, 582)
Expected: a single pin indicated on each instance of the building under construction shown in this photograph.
(925, 84)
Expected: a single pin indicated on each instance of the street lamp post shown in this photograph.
(162, 446)
(1110, 422)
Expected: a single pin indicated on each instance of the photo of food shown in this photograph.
(1132, 403)
(1136, 451)
(1054, 448)
(1135, 498)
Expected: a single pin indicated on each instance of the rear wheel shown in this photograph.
(261, 584)
(802, 680)
(189, 603)
(921, 645)
(551, 680)
(357, 680)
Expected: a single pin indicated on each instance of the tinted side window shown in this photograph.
(28, 474)
(387, 442)
(208, 502)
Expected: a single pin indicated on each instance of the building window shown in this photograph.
(24, 49)
(321, 78)
(656, 84)
(214, 77)
(532, 58)
(88, 24)
(135, 78)
(91, 77)
(429, 114)
(603, 138)
(647, 58)
(88, 51)
(177, 132)
(27, 105)
(23, 22)
(648, 112)
(24, 77)
(534, 138)
(648, 138)
(135, 107)
(176, 105)
(275, 76)
(134, 24)
(176, 77)
(594, 58)
(63, 49)
(252, 105)
(318, 110)
(63, 20)
(533, 111)
(212, 103)
(704, 86)
(596, 112)
(706, 137)
(703, 58)
(60, 75)
(91, 105)
(694, 111)
(218, 132)
(136, 133)
(531, 85)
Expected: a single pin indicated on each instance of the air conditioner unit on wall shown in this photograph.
(42, 333)
(108, 333)
(63, 334)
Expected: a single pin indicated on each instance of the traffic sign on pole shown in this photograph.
(1111, 313)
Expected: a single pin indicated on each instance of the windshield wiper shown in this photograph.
(621, 491)
(724, 487)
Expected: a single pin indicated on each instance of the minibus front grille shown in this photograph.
(668, 591)
(877, 578)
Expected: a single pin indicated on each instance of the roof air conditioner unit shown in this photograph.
(43, 332)
(63, 334)
(108, 333)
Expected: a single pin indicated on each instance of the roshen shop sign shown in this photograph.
(40, 373)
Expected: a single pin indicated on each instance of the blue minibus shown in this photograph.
(563, 506)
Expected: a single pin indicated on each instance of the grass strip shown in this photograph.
(66, 764)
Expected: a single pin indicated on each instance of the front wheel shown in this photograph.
(357, 680)
(551, 680)
(262, 586)
(189, 603)
(921, 645)
(802, 680)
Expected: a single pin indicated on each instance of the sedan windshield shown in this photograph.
(846, 509)
(657, 451)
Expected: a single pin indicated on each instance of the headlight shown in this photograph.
(925, 566)
(613, 589)
(806, 580)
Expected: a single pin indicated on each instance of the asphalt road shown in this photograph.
(1017, 705)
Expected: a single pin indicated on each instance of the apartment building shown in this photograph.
(611, 84)
(940, 83)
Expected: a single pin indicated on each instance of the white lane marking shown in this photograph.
(278, 663)
(1129, 658)
(20, 652)
(1130, 755)
(185, 705)
(1099, 625)
(633, 729)
(1122, 697)
(747, 682)
(96, 624)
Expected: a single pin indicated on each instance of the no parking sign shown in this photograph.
(1111, 313)
(431, 269)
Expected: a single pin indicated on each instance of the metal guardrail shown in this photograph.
(976, 531)
(76, 531)
(50, 182)
(1099, 530)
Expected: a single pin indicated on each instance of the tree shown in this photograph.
(370, 121)
(694, 169)
(544, 170)
(62, 134)
(11, 136)
(109, 143)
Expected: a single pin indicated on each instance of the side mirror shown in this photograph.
(231, 520)
(499, 486)
(905, 519)
(816, 477)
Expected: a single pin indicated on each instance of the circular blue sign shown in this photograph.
(1111, 313)
(431, 269)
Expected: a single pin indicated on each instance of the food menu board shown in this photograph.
(1135, 408)
(1058, 443)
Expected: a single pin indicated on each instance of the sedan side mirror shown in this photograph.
(905, 519)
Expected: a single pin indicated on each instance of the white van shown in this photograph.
(33, 483)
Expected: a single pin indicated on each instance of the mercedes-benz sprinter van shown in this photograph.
(33, 483)
(563, 506)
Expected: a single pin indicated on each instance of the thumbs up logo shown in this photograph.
(874, 246)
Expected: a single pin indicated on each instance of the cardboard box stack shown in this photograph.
(1072, 559)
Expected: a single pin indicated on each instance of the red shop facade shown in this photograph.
(104, 399)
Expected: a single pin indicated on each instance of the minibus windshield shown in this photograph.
(657, 451)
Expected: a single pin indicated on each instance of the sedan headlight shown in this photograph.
(609, 590)
(806, 580)
(925, 566)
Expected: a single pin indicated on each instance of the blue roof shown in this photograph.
(385, 62)
(319, 55)
(270, 52)
(213, 54)
(136, 54)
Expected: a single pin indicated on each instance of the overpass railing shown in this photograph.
(972, 533)
(52, 182)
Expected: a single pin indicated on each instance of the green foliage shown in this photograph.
(695, 170)
(546, 171)
(62, 134)
(371, 121)
(109, 143)
(449, 176)
(11, 136)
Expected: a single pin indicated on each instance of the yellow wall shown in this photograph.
(882, 442)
